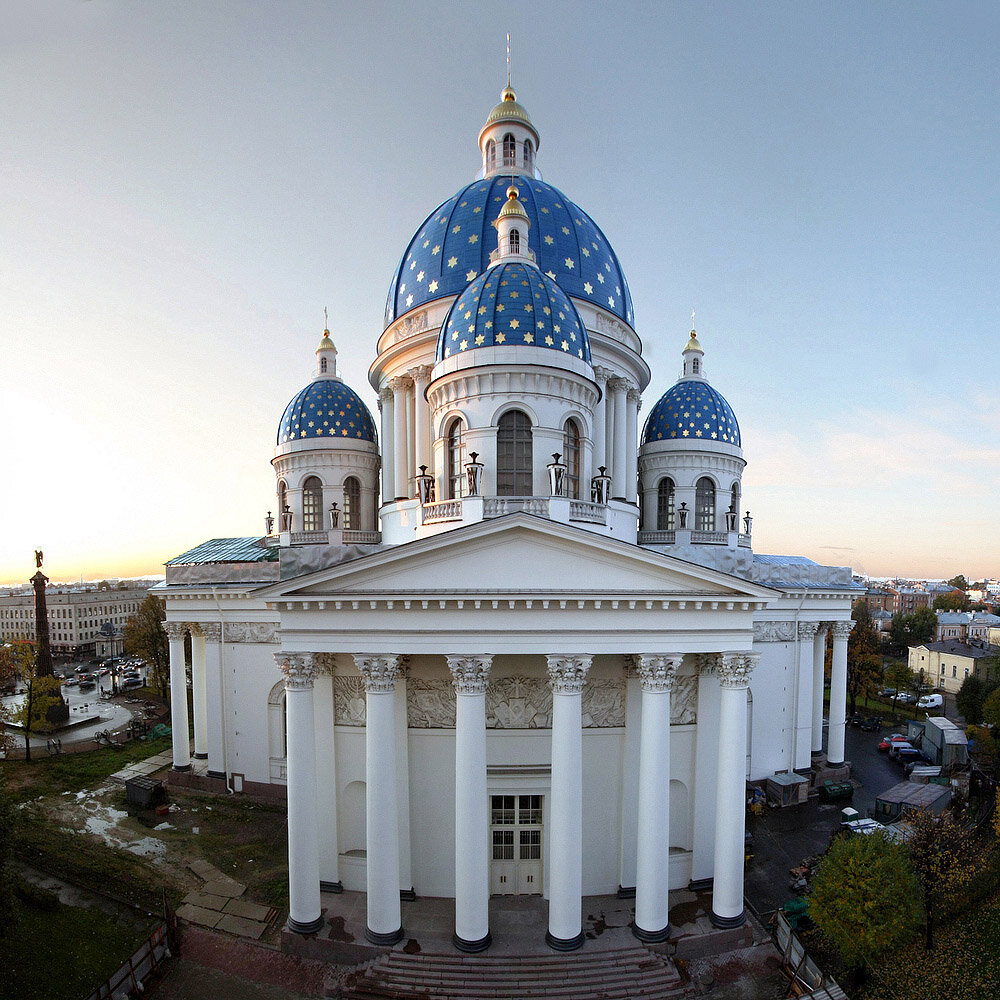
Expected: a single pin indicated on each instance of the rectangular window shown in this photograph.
(503, 845)
(502, 810)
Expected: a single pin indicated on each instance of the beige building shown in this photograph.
(946, 664)
(75, 616)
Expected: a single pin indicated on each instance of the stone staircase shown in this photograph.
(596, 975)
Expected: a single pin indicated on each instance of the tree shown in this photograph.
(991, 708)
(959, 582)
(899, 676)
(144, 636)
(865, 898)
(864, 662)
(41, 693)
(8, 681)
(922, 625)
(971, 698)
(951, 602)
(944, 860)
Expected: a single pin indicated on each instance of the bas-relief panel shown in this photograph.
(252, 632)
(773, 631)
(511, 703)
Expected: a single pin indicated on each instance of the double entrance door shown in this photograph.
(515, 844)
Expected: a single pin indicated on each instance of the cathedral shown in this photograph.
(499, 639)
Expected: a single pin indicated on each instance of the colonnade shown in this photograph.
(809, 732)
(407, 434)
(206, 695)
(470, 677)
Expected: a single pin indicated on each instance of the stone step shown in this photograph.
(607, 975)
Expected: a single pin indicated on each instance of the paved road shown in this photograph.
(784, 837)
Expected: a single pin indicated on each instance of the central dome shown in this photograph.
(452, 247)
(513, 305)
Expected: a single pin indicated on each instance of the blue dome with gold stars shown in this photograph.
(453, 246)
(326, 409)
(513, 305)
(691, 410)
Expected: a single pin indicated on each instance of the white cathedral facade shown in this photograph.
(520, 647)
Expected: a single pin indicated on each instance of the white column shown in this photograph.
(421, 376)
(631, 445)
(730, 801)
(619, 387)
(215, 704)
(411, 436)
(199, 693)
(399, 387)
(326, 776)
(385, 925)
(472, 890)
(600, 448)
(804, 697)
(566, 677)
(838, 694)
(705, 770)
(819, 670)
(403, 783)
(304, 912)
(385, 399)
(178, 696)
(652, 882)
(630, 780)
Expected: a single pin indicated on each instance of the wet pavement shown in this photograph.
(783, 838)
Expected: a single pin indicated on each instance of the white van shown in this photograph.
(931, 701)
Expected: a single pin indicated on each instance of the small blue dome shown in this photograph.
(453, 246)
(513, 305)
(691, 409)
(325, 409)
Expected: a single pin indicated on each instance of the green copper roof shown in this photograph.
(227, 550)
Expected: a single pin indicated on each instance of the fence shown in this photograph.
(128, 980)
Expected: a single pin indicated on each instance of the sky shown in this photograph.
(186, 187)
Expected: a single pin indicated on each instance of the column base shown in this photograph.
(803, 772)
(216, 774)
(564, 944)
(651, 937)
(725, 922)
(335, 887)
(181, 767)
(700, 884)
(626, 892)
(472, 947)
(310, 927)
(386, 940)
(835, 763)
(200, 756)
(408, 895)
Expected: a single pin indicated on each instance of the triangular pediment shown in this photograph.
(519, 554)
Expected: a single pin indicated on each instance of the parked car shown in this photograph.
(907, 698)
(131, 682)
(909, 757)
(887, 742)
(856, 720)
(895, 749)
(872, 724)
(931, 701)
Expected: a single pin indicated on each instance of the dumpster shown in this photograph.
(830, 791)
(145, 792)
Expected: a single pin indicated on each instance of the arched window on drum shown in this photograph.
(514, 475)
(312, 505)
(665, 505)
(704, 505)
(455, 457)
(352, 504)
(571, 456)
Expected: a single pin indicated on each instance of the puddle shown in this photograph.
(147, 847)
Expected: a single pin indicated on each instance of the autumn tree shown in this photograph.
(898, 676)
(41, 694)
(865, 898)
(144, 636)
(8, 680)
(945, 861)
(953, 601)
(971, 698)
(991, 709)
(864, 660)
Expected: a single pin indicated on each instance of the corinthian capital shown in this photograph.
(470, 674)
(707, 663)
(618, 384)
(400, 383)
(841, 630)
(420, 374)
(735, 669)
(299, 670)
(175, 630)
(567, 673)
(656, 673)
(385, 395)
(808, 630)
(378, 672)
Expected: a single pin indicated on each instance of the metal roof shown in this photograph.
(227, 550)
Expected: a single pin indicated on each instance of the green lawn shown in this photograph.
(72, 772)
(63, 954)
